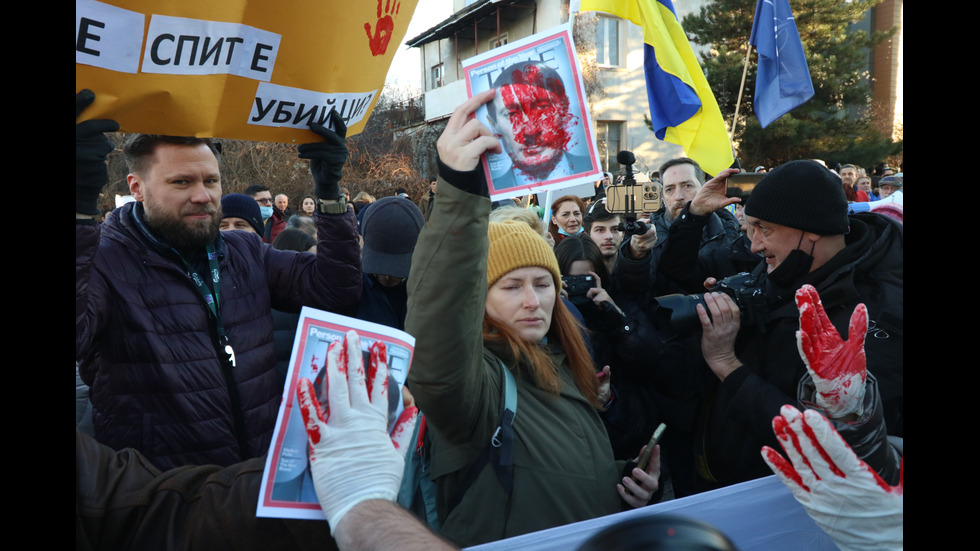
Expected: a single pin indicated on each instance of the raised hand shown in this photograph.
(327, 158)
(352, 456)
(711, 196)
(843, 495)
(838, 367)
(465, 138)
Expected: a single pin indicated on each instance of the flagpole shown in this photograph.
(741, 88)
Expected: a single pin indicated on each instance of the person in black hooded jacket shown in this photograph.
(797, 221)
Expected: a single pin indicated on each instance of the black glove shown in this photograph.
(327, 158)
(91, 149)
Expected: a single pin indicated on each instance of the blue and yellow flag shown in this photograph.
(682, 107)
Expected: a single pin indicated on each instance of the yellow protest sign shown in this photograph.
(241, 69)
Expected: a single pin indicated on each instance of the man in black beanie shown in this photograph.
(797, 221)
(241, 212)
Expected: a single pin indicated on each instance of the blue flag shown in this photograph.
(783, 79)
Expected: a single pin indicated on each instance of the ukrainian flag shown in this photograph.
(682, 107)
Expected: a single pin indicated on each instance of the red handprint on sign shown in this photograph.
(383, 28)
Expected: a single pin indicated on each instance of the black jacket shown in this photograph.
(689, 271)
(715, 234)
(147, 346)
(123, 502)
(737, 413)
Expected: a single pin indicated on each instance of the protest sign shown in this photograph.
(287, 489)
(241, 69)
(539, 114)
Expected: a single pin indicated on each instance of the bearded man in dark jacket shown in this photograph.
(682, 178)
(173, 320)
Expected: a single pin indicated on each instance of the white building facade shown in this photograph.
(480, 25)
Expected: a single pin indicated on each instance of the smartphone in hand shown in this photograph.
(654, 440)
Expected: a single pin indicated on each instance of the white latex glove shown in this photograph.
(845, 497)
(352, 457)
(838, 367)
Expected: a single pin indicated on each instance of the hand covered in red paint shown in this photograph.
(843, 495)
(352, 457)
(838, 367)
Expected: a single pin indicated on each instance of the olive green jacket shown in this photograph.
(564, 469)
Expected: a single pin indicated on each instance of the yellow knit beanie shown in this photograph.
(515, 245)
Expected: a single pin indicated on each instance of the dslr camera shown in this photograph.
(577, 287)
(678, 311)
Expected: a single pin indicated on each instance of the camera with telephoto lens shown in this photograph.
(680, 314)
(577, 287)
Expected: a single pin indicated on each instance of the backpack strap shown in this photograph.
(499, 452)
(418, 491)
(503, 437)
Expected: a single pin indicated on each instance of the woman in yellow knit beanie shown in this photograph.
(522, 307)
(483, 300)
(514, 244)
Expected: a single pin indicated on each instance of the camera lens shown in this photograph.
(679, 312)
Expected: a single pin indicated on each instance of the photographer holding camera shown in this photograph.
(797, 221)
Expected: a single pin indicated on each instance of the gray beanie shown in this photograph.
(802, 195)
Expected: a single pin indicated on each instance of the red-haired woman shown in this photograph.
(483, 297)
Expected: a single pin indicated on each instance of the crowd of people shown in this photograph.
(723, 324)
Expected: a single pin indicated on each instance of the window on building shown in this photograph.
(609, 138)
(496, 42)
(437, 76)
(607, 42)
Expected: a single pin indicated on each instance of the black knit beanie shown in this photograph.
(802, 195)
(239, 205)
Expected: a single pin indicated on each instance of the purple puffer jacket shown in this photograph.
(144, 338)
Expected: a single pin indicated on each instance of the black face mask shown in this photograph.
(796, 265)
